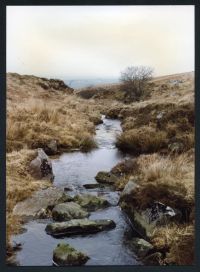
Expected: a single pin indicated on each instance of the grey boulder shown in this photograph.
(140, 246)
(41, 166)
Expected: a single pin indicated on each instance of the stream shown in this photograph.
(73, 170)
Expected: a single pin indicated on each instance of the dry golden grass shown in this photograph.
(38, 110)
(143, 140)
(35, 123)
(169, 179)
(143, 133)
(36, 115)
(178, 243)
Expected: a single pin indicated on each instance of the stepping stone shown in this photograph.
(79, 226)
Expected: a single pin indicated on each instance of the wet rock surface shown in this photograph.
(64, 254)
(79, 226)
(67, 211)
(91, 202)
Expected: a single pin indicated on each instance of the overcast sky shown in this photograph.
(99, 41)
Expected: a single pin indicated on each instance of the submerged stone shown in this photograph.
(64, 254)
(79, 226)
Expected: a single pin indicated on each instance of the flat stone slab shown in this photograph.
(64, 255)
(79, 226)
(68, 211)
(39, 201)
(140, 246)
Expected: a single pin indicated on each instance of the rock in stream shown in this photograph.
(79, 226)
(64, 255)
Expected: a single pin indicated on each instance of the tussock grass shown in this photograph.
(38, 111)
(35, 123)
(143, 140)
(19, 186)
(170, 180)
(178, 243)
(144, 133)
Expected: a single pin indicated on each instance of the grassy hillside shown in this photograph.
(158, 130)
(38, 111)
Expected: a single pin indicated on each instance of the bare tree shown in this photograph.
(134, 81)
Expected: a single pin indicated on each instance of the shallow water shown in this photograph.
(73, 170)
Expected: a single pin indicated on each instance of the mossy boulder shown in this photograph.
(79, 226)
(140, 246)
(106, 177)
(68, 211)
(91, 202)
(64, 255)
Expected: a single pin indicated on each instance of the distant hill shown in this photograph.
(169, 86)
(83, 83)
